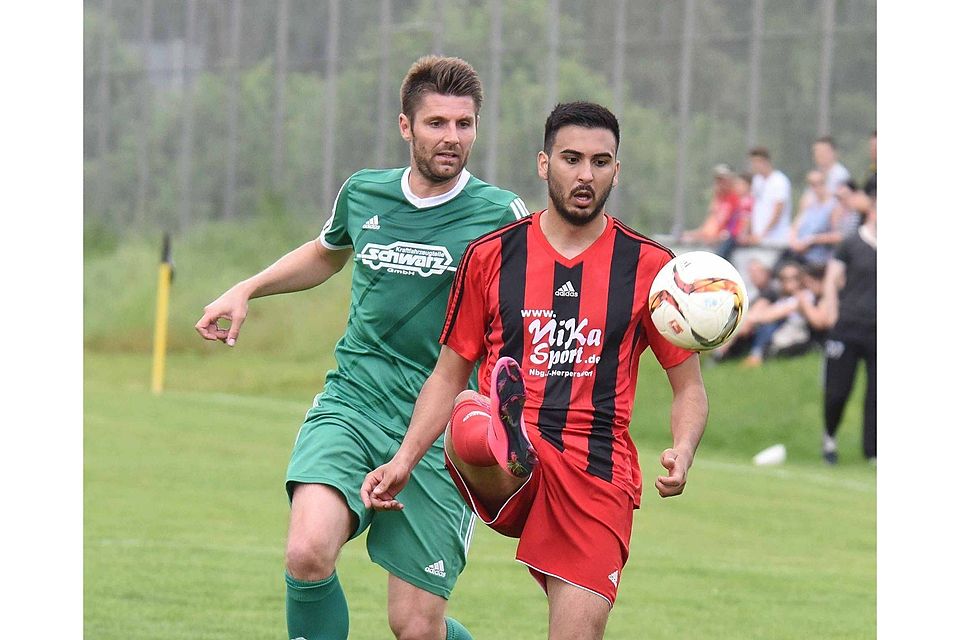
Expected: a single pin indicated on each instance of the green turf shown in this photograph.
(185, 513)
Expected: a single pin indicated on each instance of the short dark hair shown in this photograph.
(759, 152)
(852, 184)
(870, 187)
(826, 140)
(579, 114)
(447, 76)
(815, 270)
(789, 264)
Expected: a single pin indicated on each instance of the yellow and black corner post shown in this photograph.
(165, 279)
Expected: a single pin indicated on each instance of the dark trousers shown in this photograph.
(843, 354)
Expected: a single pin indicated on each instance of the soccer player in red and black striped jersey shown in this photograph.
(554, 307)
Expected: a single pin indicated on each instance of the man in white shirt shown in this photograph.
(825, 157)
(772, 207)
(824, 153)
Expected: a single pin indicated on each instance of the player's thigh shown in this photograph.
(413, 612)
(320, 524)
(426, 543)
(575, 614)
(330, 459)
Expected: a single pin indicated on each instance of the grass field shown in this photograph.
(185, 515)
(185, 512)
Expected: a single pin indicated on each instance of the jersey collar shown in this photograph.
(432, 201)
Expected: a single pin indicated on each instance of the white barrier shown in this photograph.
(740, 258)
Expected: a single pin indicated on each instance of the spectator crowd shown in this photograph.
(756, 208)
(813, 285)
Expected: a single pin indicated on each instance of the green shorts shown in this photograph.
(426, 543)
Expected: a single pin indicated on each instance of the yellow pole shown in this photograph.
(160, 328)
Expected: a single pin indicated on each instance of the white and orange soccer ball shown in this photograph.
(698, 300)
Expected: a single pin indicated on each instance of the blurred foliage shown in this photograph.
(120, 289)
(145, 98)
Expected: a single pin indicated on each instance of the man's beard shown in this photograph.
(574, 217)
(422, 160)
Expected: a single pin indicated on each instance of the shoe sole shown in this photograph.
(510, 444)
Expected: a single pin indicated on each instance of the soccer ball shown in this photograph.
(697, 301)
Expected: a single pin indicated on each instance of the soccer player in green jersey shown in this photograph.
(406, 229)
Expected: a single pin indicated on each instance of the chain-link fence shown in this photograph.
(219, 109)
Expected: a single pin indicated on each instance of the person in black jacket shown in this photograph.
(849, 309)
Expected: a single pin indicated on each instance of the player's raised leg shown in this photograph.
(575, 613)
(320, 524)
(486, 438)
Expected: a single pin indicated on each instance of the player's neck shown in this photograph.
(570, 240)
(423, 188)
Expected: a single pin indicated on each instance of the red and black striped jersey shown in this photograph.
(576, 326)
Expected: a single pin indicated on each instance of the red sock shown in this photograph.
(468, 427)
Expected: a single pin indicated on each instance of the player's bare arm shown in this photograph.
(430, 417)
(303, 268)
(688, 419)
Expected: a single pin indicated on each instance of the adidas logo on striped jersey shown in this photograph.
(436, 569)
(566, 291)
(372, 223)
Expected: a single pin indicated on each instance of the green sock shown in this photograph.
(456, 631)
(317, 610)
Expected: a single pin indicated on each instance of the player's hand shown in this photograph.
(677, 464)
(231, 306)
(383, 484)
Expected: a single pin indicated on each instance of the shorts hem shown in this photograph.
(416, 581)
(335, 485)
(570, 582)
(480, 511)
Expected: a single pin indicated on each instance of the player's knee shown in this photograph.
(466, 395)
(416, 625)
(310, 559)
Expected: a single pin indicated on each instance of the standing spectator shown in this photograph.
(824, 153)
(825, 159)
(770, 220)
(849, 310)
(724, 205)
(812, 235)
(741, 186)
(739, 224)
(846, 218)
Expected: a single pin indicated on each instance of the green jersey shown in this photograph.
(406, 251)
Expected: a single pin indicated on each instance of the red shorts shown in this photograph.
(572, 525)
